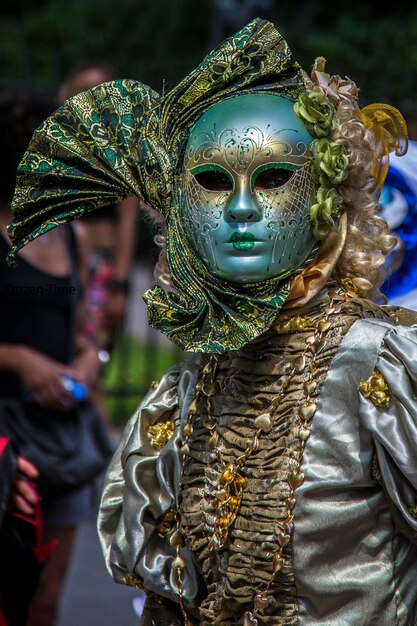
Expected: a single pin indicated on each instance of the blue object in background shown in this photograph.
(76, 389)
(399, 207)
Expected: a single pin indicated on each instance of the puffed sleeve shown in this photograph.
(141, 490)
(393, 424)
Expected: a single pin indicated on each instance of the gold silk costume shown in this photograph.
(349, 490)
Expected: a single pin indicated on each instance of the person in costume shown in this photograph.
(269, 479)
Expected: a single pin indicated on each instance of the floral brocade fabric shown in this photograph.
(122, 139)
(246, 381)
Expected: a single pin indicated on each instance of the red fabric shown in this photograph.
(3, 443)
(42, 551)
(21, 543)
(3, 621)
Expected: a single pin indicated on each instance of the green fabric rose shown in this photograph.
(317, 113)
(330, 162)
(325, 212)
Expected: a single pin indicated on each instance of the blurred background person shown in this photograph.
(22, 553)
(110, 237)
(41, 343)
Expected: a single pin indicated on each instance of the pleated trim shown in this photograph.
(247, 381)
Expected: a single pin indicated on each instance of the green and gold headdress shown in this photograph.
(122, 139)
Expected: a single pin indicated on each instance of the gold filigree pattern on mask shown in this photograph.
(376, 389)
(239, 149)
(286, 209)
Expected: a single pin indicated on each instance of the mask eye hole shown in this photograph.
(214, 180)
(272, 178)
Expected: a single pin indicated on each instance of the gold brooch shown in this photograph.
(413, 510)
(161, 433)
(165, 523)
(133, 580)
(375, 389)
(296, 324)
(352, 289)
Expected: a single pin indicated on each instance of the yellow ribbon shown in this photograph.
(390, 131)
(312, 279)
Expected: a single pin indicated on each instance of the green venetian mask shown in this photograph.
(247, 189)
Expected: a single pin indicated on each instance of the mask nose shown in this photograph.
(242, 207)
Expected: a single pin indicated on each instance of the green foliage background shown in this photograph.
(151, 40)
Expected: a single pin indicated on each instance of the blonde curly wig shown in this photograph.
(368, 238)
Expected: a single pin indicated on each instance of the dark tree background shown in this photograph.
(41, 41)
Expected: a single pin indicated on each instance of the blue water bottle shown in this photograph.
(76, 389)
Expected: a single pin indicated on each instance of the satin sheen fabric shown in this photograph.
(353, 564)
(142, 484)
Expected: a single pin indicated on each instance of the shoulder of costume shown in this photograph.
(405, 317)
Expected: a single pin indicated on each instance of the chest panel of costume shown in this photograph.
(242, 386)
